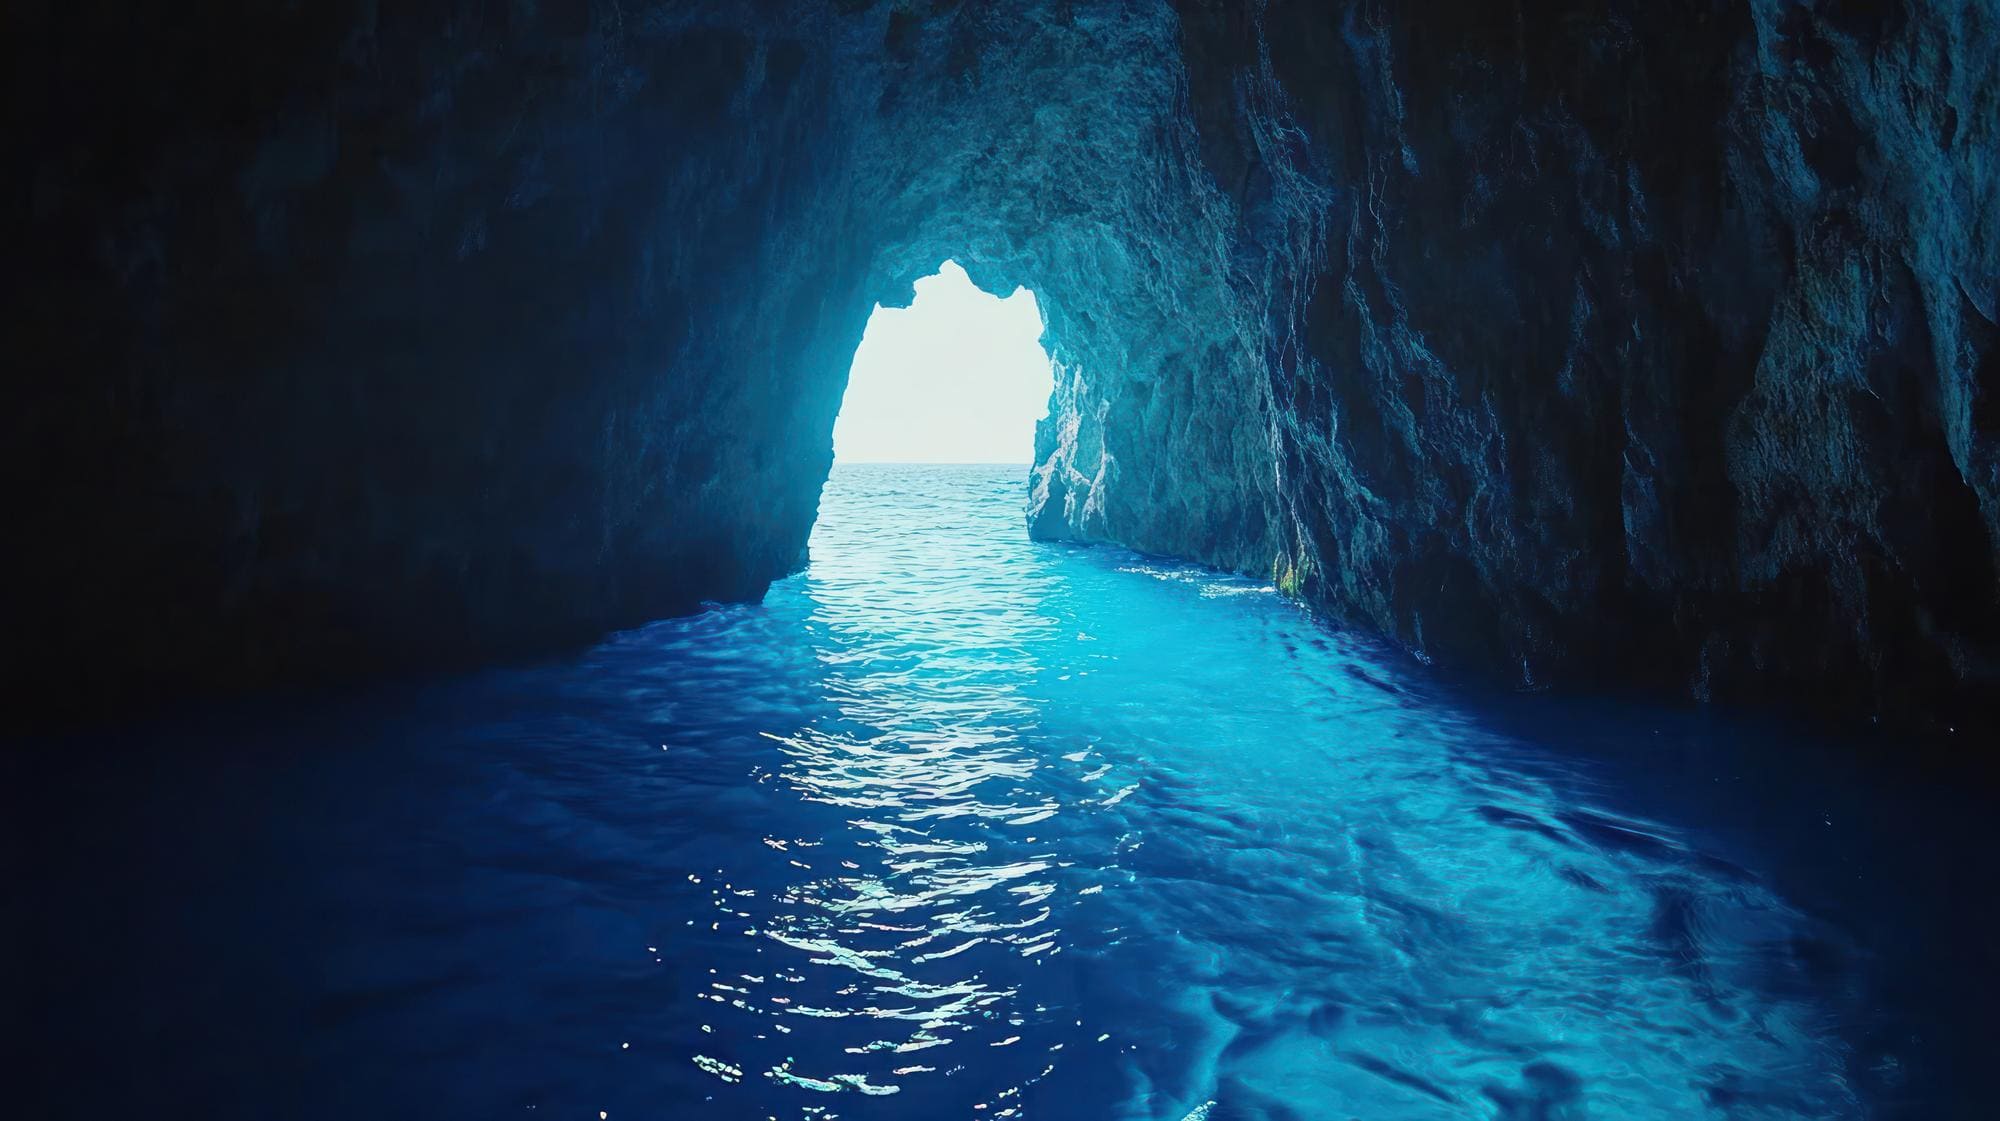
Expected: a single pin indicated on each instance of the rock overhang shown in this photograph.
(419, 339)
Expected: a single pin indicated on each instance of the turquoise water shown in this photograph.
(955, 825)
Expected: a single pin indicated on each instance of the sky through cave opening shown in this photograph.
(959, 376)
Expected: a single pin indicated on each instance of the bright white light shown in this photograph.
(959, 376)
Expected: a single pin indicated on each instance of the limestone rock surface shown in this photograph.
(1556, 341)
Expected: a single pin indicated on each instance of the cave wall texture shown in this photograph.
(1565, 342)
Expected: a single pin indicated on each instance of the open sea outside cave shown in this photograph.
(956, 825)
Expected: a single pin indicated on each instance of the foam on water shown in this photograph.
(958, 825)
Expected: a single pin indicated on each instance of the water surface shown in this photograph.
(954, 825)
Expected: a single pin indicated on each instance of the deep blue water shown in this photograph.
(954, 825)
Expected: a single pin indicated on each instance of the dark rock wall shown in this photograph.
(354, 336)
(1570, 341)
(1639, 341)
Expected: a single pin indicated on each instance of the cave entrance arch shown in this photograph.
(958, 376)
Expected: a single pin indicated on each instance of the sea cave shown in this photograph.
(1167, 560)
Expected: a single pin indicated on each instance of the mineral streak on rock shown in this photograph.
(1566, 342)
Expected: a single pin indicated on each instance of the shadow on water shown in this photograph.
(958, 826)
(1886, 862)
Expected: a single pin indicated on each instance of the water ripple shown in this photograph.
(956, 825)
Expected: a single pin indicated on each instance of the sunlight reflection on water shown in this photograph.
(955, 825)
(1282, 880)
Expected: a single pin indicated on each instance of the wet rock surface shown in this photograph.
(1637, 343)
(1561, 342)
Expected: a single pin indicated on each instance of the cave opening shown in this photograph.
(504, 621)
(958, 376)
